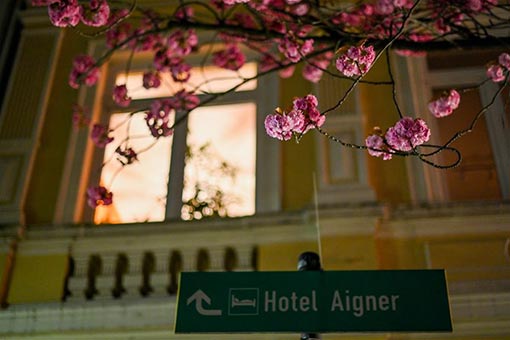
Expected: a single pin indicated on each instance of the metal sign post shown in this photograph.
(309, 261)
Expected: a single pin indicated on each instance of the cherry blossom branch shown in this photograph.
(283, 34)
(471, 126)
(393, 85)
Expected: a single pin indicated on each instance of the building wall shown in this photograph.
(375, 221)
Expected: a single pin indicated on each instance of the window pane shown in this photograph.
(207, 79)
(221, 163)
(139, 188)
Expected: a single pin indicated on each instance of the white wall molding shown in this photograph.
(342, 176)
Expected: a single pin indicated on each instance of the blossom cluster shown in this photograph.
(160, 117)
(382, 19)
(294, 49)
(230, 58)
(356, 60)
(99, 195)
(497, 71)
(303, 117)
(120, 96)
(99, 135)
(126, 155)
(65, 13)
(404, 136)
(448, 14)
(445, 105)
(280, 34)
(84, 71)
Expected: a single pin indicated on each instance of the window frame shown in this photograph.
(79, 172)
(413, 74)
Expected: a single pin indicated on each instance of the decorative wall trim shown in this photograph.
(474, 315)
(342, 174)
(22, 115)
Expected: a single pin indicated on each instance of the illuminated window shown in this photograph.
(222, 145)
(207, 168)
(140, 187)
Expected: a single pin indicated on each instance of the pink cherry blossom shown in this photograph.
(162, 59)
(144, 41)
(181, 43)
(126, 155)
(407, 134)
(377, 148)
(308, 106)
(96, 14)
(64, 13)
(496, 73)
(445, 105)
(99, 135)
(309, 102)
(243, 20)
(287, 72)
(316, 118)
(301, 9)
(230, 58)
(148, 42)
(184, 13)
(313, 70)
(275, 25)
(165, 59)
(151, 80)
(294, 49)
(302, 31)
(479, 5)
(118, 34)
(158, 118)
(504, 60)
(356, 60)
(117, 15)
(298, 121)
(84, 71)
(179, 70)
(384, 7)
(474, 5)
(120, 96)
(185, 101)
(99, 195)
(280, 126)
(267, 63)
(313, 73)
(356, 17)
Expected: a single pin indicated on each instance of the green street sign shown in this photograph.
(313, 301)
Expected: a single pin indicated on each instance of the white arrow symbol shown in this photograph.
(200, 296)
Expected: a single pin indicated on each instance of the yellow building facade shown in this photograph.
(64, 277)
